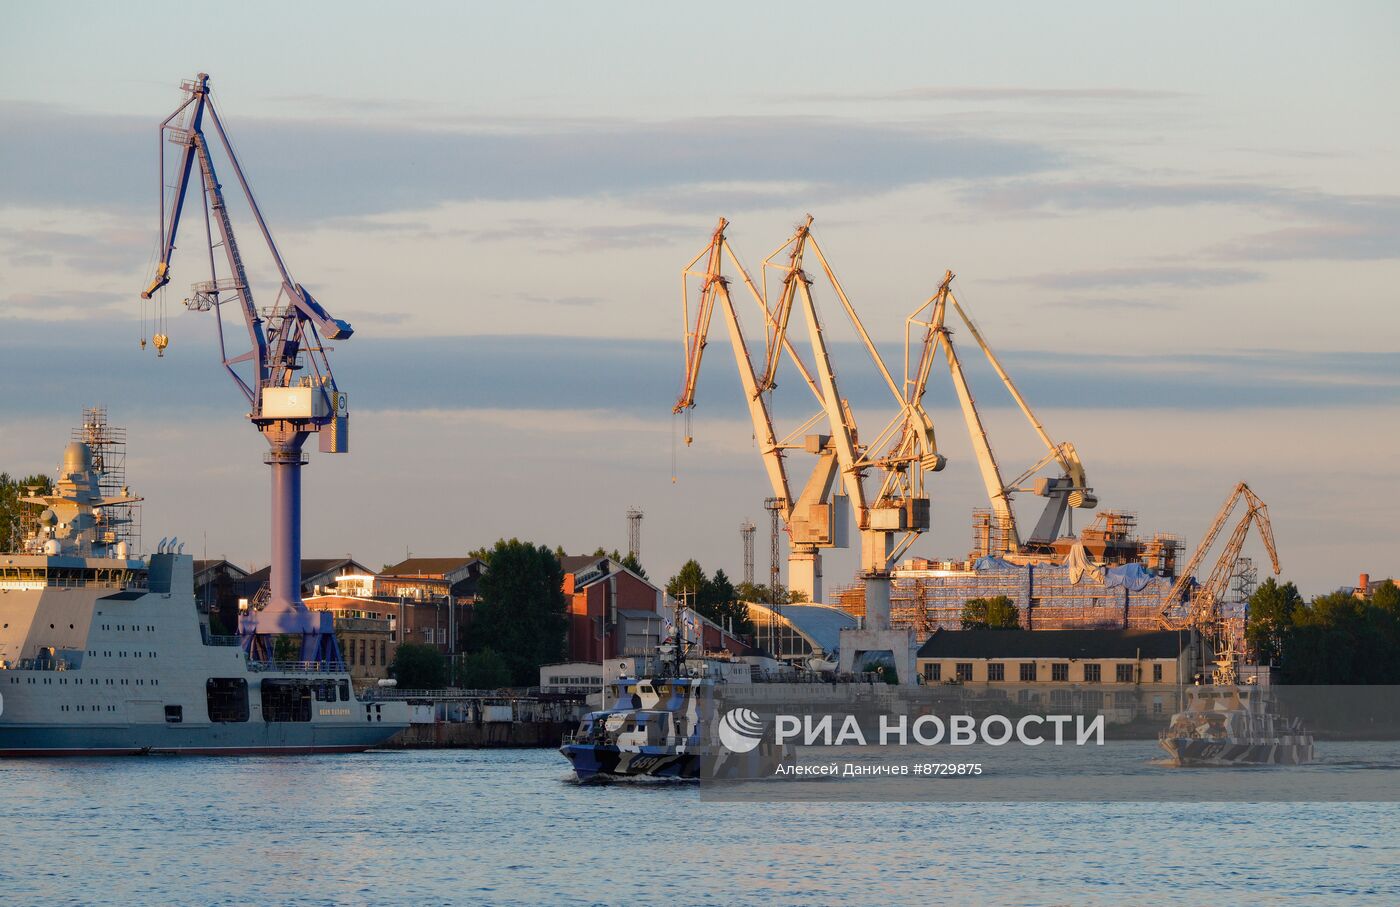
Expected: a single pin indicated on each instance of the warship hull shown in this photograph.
(1195, 752)
(97, 669)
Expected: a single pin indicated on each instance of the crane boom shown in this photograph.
(1204, 602)
(285, 340)
(809, 515)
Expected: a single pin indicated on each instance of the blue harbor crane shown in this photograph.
(285, 373)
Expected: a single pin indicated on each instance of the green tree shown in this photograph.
(484, 670)
(998, 613)
(417, 666)
(1387, 597)
(628, 560)
(1339, 638)
(753, 592)
(286, 648)
(12, 522)
(722, 604)
(714, 598)
(690, 580)
(1270, 617)
(522, 612)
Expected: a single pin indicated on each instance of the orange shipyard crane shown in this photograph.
(1202, 611)
(892, 518)
(815, 519)
(900, 508)
(1070, 490)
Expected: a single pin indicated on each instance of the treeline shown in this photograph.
(713, 597)
(517, 625)
(1336, 638)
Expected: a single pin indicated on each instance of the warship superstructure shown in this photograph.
(1234, 724)
(103, 652)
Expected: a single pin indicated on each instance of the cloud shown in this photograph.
(69, 305)
(308, 169)
(1111, 304)
(1323, 225)
(1184, 277)
(572, 301)
(642, 377)
(112, 247)
(989, 93)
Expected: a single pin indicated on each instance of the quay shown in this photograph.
(484, 719)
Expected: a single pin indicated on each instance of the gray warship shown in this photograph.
(103, 652)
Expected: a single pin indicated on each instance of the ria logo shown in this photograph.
(740, 730)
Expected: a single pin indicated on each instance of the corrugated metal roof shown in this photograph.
(821, 624)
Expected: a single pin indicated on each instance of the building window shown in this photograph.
(1125, 673)
(1028, 672)
(964, 670)
(933, 671)
(996, 672)
(1093, 673)
(372, 653)
(1059, 671)
(1156, 673)
(383, 652)
(1093, 700)
(1157, 706)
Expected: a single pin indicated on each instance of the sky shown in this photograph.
(1179, 227)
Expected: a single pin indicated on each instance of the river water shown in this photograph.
(506, 826)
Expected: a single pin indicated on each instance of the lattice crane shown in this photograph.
(1069, 490)
(1202, 609)
(891, 518)
(285, 374)
(813, 518)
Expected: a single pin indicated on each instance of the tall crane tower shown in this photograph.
(284, 375)
(634, 532)
(746, 533)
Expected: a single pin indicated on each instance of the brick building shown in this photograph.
(318, 574)
(425, 578)
(612, 611)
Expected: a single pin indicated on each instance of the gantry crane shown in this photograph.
(285, 374)
(1069, 490)
(1201, 610)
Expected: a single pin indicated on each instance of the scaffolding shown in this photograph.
(117, 522)
(1047, 590)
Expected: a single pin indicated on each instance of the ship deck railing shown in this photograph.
(41, 664)
(298, 667)
(447, 693)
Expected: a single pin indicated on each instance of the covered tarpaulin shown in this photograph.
(992, 562)
(1133, 577)
(1080, 567)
